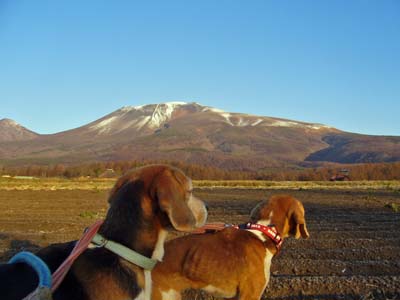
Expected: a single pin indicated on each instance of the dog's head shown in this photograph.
(285, 212)
(164, 192)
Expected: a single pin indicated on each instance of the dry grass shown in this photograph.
(307, 185)
(52, 184)
(106, 184)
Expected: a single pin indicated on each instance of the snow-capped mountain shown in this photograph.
(145, 119)
(139, 118)
(195, 133)
(12, 131)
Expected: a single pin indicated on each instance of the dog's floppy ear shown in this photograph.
(171, 199)
(298, 222)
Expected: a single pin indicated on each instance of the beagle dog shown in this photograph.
(144, 204)
(231, 263)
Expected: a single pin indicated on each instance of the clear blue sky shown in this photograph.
(66, 63)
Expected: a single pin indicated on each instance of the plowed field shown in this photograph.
(353, 251)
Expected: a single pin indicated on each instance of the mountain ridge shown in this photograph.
(199, 134)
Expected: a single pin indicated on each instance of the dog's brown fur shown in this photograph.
(229, 263)
(144, 204)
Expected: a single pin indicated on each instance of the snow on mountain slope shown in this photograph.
(242, 120)
(287, 123)
(150, 117)
(136, 118)
(163, 113)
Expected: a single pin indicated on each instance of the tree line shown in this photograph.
(370, 171)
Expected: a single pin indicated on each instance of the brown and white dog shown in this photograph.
(144, 204)
(230, 263)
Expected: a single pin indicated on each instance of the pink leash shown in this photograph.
(80, 246)
(217, 226)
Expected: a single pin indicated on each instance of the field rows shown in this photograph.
(353, 251)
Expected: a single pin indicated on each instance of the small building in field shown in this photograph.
(342, 175)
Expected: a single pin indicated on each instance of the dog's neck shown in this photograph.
(275, 218)
(143, 235)
(127, 224)
(269, 220)
(265, 222)
(147, 243)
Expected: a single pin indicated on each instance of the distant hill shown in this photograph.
(357, 148)
(198, 134)
(11, 131)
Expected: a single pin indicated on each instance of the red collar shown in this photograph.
(270, 231)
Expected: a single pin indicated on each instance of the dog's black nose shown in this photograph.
(206, 206)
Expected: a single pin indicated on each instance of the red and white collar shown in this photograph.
(268, 230)
(261, 231)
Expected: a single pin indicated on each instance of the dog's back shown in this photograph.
(213, 262)
(230, 262)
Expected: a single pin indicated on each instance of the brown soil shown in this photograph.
(353, 251)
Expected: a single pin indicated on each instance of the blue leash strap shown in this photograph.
(37, 264)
